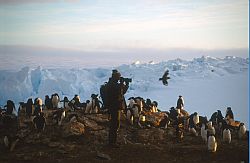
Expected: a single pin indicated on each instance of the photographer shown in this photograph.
(117, 87)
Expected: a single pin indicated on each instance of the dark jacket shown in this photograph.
(116, 93)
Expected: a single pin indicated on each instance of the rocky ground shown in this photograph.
(85, 140)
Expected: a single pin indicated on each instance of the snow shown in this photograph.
(206, 83)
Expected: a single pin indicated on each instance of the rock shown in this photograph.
(100, 133)
(142, 135)
(103, 156)
(24, 121)
(29, 141)
(46, 141)
(73, 119)
(73, 129)
(21, 121)
(91, 125)
(99, 118)
(27, 158)
(48, 114)
(33, 138)
(54, 144)
(23, 133)
(171, 132)
(60, 151)
(72, 116)
(13, 145)
(100, 136)
(70, 147)
(20, 155)
(184, 113)
(150, 135)
(154, 118)
(126, 141)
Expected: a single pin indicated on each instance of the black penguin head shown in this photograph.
(242, 124)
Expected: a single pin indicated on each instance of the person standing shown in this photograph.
(117, 87)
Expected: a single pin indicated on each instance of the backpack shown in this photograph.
(104, 95)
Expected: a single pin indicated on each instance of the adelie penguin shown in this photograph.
(227, 135)
(55, 100)
(204, 133)
(212, 144)
(211, 129)
(242, 130)
(59, 115)
(39, 122)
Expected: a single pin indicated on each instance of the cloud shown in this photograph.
(20, 2)
(100, 24)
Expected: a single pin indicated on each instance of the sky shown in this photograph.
(111, 25)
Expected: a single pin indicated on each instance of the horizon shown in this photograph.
(17, 57)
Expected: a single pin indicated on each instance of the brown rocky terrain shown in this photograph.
(85, 140)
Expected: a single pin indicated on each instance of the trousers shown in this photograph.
(114, 126)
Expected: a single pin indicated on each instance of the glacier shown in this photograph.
(206, 83)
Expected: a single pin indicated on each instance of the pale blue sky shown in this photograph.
(125, 24)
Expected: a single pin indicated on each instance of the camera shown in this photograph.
(126, 80)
